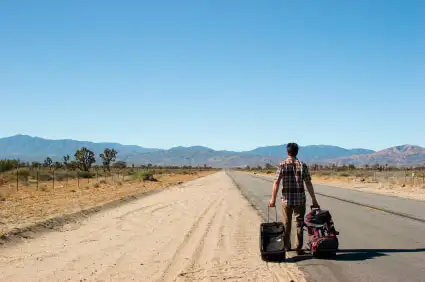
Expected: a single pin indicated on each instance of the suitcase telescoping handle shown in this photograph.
(268, 211)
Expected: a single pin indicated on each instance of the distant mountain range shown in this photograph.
(406, 155)
(27, 148)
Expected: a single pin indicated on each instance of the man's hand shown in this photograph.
(315, 203)
(272, 203)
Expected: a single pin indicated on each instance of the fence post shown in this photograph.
(405, 177)
(78, 179)
(17, 177)
(37, 178)
(53, 179)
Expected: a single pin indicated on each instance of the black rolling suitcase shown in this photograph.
(271, 240)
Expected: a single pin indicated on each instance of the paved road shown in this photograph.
(375, 245)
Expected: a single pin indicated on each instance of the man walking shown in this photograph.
(293, 173)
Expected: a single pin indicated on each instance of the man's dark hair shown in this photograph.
(292, 149)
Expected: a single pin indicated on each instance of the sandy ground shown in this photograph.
(28, 205)
(203, 230)
(415, 192)
(409, 192)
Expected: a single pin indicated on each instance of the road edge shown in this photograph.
(296, 273)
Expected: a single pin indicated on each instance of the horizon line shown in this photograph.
(229, 150)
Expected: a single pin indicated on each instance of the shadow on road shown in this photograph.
(365, 254)
(357, 254)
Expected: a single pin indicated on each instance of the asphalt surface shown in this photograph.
(374, 245)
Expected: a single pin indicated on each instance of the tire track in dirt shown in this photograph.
(204, 231)
(195, 237)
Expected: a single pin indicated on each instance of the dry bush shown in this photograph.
(62, 175)
(85, 174)
(44, 188)
(23, 174)
(4, 195)
(145, 176)
(45, 176)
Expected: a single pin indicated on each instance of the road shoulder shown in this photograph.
(200, 230)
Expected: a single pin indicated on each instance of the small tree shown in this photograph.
(108, 156)
(57, 165)
(84, 159)
(73, 165)
(66, 161)
(48, 162)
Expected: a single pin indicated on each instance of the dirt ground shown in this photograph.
(409, 191)
(203, 230)
(29, 206)
(416, 192)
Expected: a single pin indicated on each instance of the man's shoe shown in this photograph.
(300, 252)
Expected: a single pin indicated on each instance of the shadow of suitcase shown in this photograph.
(271, 240)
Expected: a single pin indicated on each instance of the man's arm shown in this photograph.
(309, 184)
(276, 184)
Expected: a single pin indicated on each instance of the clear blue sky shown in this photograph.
(225, 74)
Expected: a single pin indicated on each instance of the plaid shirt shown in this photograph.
(289, 173)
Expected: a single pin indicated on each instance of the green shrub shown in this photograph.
(44, 176)
(85, 174)
(147, 176)
(61, 175)
(6, 165)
